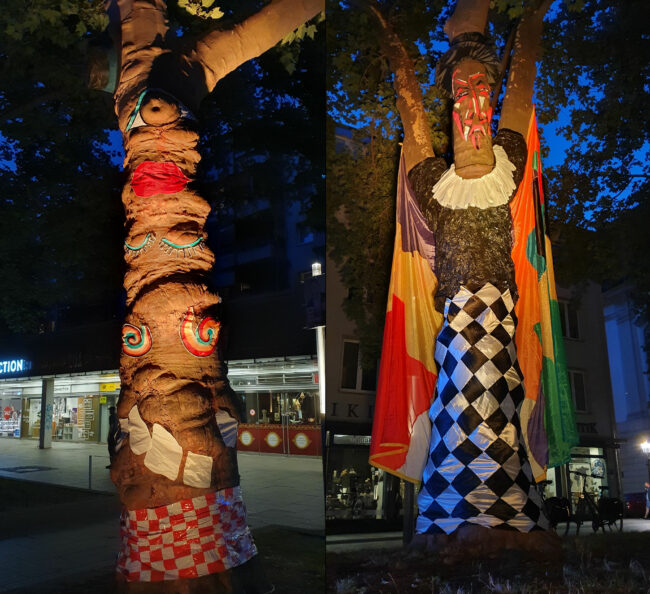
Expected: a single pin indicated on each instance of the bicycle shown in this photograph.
(557, 509)
(607, 511)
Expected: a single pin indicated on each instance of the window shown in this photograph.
(577, 379)
(353, 376)
(569, 319)
(305, 234)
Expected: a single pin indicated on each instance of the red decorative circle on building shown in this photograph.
(7, 412)
(251, 412)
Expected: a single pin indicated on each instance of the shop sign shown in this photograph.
(102, 400)
(62, 389)
(14, 366)
(352, 410)
(113, 387)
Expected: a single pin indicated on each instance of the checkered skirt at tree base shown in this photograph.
(477, 471)
(187, 539)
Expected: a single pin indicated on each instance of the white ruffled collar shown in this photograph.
(492, 189)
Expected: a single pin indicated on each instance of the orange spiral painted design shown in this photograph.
(201, 341)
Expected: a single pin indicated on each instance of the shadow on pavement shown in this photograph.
(293, 559)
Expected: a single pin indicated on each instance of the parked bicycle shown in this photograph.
(607, 511)
(558, 509)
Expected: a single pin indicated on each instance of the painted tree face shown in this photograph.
(472, 113)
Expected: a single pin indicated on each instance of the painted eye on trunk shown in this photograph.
(186, 249)
(142, 247)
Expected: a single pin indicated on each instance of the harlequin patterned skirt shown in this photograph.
(478, 471)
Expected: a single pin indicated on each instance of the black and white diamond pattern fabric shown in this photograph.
(478, 471)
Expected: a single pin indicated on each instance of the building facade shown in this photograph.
(628, 360)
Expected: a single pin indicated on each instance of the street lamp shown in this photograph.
(645, 446)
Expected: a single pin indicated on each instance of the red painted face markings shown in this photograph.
(472, 112)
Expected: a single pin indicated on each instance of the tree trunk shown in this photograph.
(518, 101)
(470, 487)
(417, 135)
(176, 406)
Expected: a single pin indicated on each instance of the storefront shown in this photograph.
(79, 412)
(281, 405)
(590, 467)
(359, 497)
(280, 398)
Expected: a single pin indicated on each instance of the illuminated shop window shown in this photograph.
(569, 319)
(353, 376)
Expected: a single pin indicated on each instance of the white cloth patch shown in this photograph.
(418, 451)
(227, 427)
(492, 189)
(139, 436)
(165, 454)
(198, 470)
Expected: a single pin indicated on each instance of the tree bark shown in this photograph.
(174, 383)
(220, 52)
(469, 16)
(518, 101)
(417, 144)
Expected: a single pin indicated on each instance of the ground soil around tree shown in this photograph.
(614, 563)
(292, 559)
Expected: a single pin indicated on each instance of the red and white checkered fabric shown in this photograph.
(187, 539)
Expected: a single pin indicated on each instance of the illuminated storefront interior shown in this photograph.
(279, 396)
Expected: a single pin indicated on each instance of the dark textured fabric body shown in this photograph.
(477, 471)
(472, 245)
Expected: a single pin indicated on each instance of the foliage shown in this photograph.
(59, 206)
(58, 22)
(602, 186)
(360, 231)
(203, 9)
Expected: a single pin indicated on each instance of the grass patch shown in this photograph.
(616, 563)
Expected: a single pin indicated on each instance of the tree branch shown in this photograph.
(505, 63)
(144, 27)
(518, 100)
(221, 52)
(417, 144)
(469, 16)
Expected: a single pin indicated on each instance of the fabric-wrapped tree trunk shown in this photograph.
(184, 520)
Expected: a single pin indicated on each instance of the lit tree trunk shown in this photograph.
(176, 404)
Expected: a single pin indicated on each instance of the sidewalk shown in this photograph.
(278, 490)
(81, 538)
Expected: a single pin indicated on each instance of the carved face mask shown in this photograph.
(471, 112)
